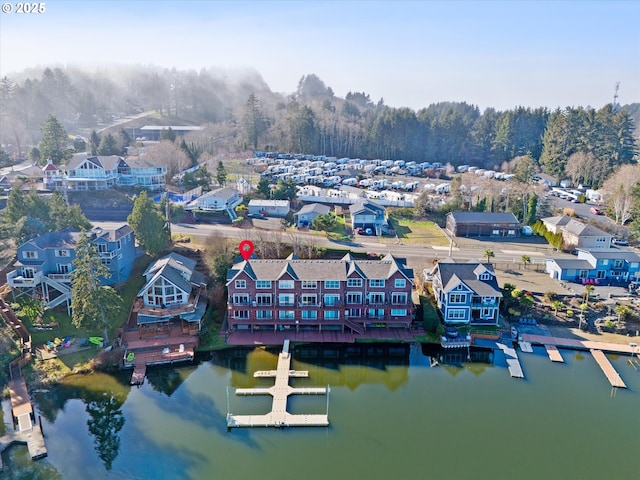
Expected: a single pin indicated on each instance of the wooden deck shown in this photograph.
(554, 353)
(278, 416)
(139, 372)
(513, 363)
(33, 439)
(612, 375)
(525, 346)
(580, 344)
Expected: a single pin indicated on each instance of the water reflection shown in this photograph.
(168, 380)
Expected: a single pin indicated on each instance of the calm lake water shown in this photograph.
(392, 415)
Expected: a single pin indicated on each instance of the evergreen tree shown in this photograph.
(221, 174)
(254, 122)
(554, 151)
(264, 187)
(108, 146)
(94, 142)
(54, 140)
(149, 224)
(92, 303)
(286, 190)
(168, 134)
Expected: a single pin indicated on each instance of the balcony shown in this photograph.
(309, 305)
(286, 304)
(377, 302)
(14, 280)
(167, 311)
(60, 277)
(108, 254)
(481, 304)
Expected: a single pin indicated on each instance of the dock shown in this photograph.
(612, 375)
(280, 391)
(513, 363)
(554, 353)
(525, 347)
(139, 372)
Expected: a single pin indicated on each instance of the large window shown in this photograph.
(398, 312)
(241, 284)
(263, 299)
(456, 314)
(375, 312)
(309, 284)
(376, 298)
(285, 284)
(240, 299)
(376, 282)
(398, 298)
(62, 253)
(263, 283)
(400, 283)
(354, 282)
(309, 314)
(354, 298)
(332, 284)
(286, 299)
(331, 300)
(331, 314)
(30, 254)
(458, 298)
(286, 314)
(241, 314)
(264, 314)
(354, 313)
(308, 300)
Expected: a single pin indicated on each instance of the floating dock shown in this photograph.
(513, 363)
(139, 372)
(278, 416)
(612, 375)
(554, 353)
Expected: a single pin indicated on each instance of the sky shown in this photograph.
(498, 54)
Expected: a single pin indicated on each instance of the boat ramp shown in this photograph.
(278, 416)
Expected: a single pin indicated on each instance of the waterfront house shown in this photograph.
(466, 293)
(483, 224)
(45, 263)
(304, 217)
(597, 266)
(218, 200)
(347, 295)
(368, 214)
(172, 293)
(138, 171)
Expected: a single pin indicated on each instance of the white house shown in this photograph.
(218, 200)
(269, 208)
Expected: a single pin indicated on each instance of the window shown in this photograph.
(400, 283)
(62, 253)
(354, 282)
(241, 284)
(241, 314)
(485, 276)
(618, 264)
(456, 314)
(332, 284)
(30, 254)
(264, 314)
(331, 300)
(285, 284)
(64, 268)
(376, 298)
(286, 314)
(487, 313)
(600, 274)
(583, 274)
(354, 312)
(119, 245)
(263, 299)
(309, 284)
(375, 312)
(376, 282)
(102, 248)
(309, 300)
(398, 312)
(263, 283)
(457, 298)
(309, 314)
(331, 314)
(286, 299)
(354, 298)
(398, 298)
(240, 299)
(105, 261)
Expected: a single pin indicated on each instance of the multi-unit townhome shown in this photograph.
(598, 266)
(172, 294)
(45, 263)
(293, 295)
(466, 293)
(85, 172)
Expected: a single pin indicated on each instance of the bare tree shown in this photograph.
(169, 155)
(617, 191)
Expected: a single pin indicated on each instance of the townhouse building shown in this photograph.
(320, 295)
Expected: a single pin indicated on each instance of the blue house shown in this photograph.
(45, 263)
(466, 293)
(598, 266)
(368, 214)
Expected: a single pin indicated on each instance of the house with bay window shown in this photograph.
(347, 296)
(45, 263)
(466, 293)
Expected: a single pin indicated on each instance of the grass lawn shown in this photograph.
(414, 232)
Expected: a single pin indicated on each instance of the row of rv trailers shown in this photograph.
(485, 173)
(331, 171)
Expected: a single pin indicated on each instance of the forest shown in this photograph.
(241, 113)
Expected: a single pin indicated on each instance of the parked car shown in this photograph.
(595, 211)
(620, 242)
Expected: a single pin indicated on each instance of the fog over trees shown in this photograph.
(239, 112)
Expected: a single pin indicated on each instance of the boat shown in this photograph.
(96, 340)
(130, 357)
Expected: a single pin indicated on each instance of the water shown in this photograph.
(393, 417)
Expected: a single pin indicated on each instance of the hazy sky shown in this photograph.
(499, 54)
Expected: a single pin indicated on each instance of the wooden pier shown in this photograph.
(513, 363)
(278, 416)
(554, 353)
(612, 375)
(139, 372)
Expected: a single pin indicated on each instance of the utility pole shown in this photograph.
(616, 106)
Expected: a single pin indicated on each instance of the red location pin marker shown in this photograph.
(246, 249)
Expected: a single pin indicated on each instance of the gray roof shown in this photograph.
(268, 203)
(68, 238)
(572, 264)
(484, 217)
(612, 254)
(106, 162)
(318, 208)
(451, 274)
(320, 269)
(366, 206)
(223, 193)
(557, 221)
(177, 269)
(112, 235)
(583, 230)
